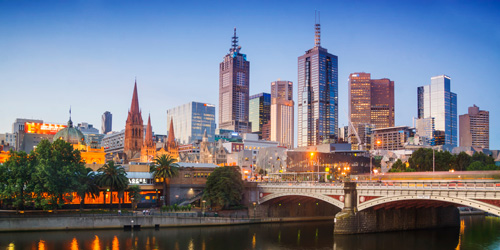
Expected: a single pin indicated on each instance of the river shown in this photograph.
(475, 232)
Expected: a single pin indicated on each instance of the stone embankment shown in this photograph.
(121, 222)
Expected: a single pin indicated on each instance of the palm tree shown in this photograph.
(88, 186)
(163, 168)
(112, 176)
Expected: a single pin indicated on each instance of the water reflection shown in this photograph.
(474, 233)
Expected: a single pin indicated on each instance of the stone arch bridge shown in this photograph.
(369, 202)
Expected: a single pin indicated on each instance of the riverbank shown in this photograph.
(125, 222)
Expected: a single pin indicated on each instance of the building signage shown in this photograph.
(138, 181)
(42, 128)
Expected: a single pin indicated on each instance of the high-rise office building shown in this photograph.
(436, 100)
(371, 102)
(282, 112)
(106, 122)
(318, 95)
(260, 112)
(191, 120)
(234, 84)
(475, 128)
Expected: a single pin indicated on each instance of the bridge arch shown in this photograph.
(322, 197)
(483, 206)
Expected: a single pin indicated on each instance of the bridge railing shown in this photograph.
(439, 185)
(302, 184)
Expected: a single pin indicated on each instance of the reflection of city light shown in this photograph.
(191, 244)
(253, 241)
(41, 245)
(74, 244)
(11, 246)
(115, 244)
(95, 244)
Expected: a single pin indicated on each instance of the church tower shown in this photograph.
(171, 144)
(134, 129)
(148, 151)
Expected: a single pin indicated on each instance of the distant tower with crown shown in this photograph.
(134, 129)
(148, 151)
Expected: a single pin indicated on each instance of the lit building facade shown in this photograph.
(475, 128)
(371, 102)
(191, 120)
(318, 95)
(436, 100)
(393, 138)
(234, 86)
(106, 122)
(260, 112)
(282, 113)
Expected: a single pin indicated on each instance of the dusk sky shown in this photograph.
(86, 54)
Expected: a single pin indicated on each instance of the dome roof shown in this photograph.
(70, 134)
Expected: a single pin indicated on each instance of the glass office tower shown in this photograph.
(437, 101)
(260, 111)
(318, 95)
(191, 120)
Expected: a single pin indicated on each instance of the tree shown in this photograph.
(398, 166)
(462, 161)
(134, 193)
(16, 178)
(57, 173)
(163, 168)
(88, 186)
(224, 187)
(113, 177)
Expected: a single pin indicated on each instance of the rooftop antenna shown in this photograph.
(234, 41)
(317, 29)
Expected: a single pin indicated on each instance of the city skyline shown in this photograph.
(82, 62)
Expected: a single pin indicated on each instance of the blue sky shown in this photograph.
(87, 53)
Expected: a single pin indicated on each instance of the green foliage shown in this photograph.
(16, 175)
(398, 166)
(113, 177)
(164, 167)
(88, 185)
(421, 160)
(478, 165)
(164, 208)
(224, 187)
(58, 173)
(135, 193)
(176, 207)
(189, 207)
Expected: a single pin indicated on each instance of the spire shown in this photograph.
(70, 123)
(234, 41)
(205, 136)
(149, 132)
(317, 30)
(171, 136)
(134, 107)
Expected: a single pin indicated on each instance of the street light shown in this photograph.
(254, 208)
(203, 207)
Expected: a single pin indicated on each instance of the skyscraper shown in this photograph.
(234, 84)
(260, 111)
(436, 100)
(475, 128)
(106, 122)
(318, 95)
(282, 113)
(134, 129)
(191, 120)
(371, 103)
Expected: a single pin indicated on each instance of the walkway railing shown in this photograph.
(425, 184)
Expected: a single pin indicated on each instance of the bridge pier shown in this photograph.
(351, 221)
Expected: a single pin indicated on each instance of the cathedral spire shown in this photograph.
(149, 132)
(134, 107)
(171, 135)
